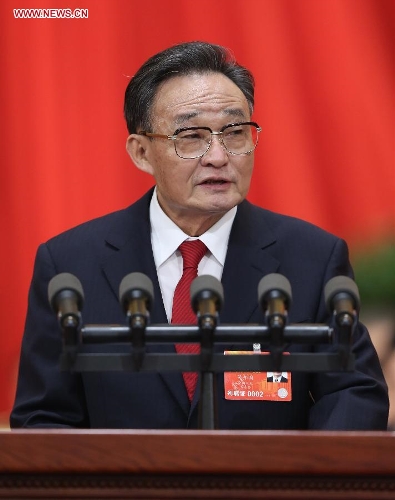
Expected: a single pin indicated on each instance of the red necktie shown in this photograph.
(192, 253)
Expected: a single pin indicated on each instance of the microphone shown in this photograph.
(136, 295)
(342, 298)
(207, 297)
(275, 297)
(66, 298)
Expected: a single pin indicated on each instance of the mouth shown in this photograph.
(214, 182)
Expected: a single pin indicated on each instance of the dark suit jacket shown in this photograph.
(101, 252)
(282, 379)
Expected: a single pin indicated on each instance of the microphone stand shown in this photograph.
(207, 404)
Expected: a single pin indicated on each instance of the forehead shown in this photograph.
(182, 98)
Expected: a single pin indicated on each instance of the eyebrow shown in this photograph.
(182, 118)
(234, 112)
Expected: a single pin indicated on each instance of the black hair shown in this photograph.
(182, 59)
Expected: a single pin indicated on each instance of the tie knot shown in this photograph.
(192, 253)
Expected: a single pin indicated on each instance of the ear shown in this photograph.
(137, 147)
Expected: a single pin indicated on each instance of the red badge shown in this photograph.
(264, 386)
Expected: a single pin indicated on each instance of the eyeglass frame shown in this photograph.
(173, 137)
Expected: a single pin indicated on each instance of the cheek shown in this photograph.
(245, 171)
(173, 180)
(161, 164)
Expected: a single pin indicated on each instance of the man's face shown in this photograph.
(195, 193)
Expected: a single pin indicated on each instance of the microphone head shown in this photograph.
(274, 284)
(206, 287)
(136, 286)
(65, 282)
(341, 285)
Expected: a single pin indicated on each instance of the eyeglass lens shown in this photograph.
(237, 139)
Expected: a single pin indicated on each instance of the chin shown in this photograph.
(223, 205)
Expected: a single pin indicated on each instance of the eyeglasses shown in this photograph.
(194, 142)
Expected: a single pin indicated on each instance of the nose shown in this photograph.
(216, 155)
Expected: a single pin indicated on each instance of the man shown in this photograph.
(188, 111)
(277, 377)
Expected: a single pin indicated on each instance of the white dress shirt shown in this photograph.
(166, 237)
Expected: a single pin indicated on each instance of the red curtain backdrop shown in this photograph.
(324, 74)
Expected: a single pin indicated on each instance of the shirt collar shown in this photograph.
(167, 236)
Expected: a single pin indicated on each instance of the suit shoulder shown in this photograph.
(117, 225)
(281, 224)
(91, 228)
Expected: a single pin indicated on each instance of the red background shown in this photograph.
(324, 74)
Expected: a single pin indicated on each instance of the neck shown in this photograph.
(197, 227)
(192, 223)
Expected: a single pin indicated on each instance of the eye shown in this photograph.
(188, 135)
(234, 131)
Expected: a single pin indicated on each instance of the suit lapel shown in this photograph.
(248, 259)
(131, 242)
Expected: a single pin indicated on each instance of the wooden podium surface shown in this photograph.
(196, 464)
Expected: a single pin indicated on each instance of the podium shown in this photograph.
(195, 464)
